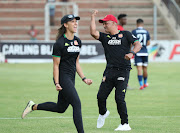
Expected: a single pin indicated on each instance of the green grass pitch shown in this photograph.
(153, 110)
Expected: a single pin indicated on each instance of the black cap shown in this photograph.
(68, 18)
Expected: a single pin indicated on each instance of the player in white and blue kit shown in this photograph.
(141, 58)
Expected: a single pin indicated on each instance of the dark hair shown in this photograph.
(139, 21)
(121, 16)
(61, 31)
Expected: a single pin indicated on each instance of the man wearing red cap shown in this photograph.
(116, 46)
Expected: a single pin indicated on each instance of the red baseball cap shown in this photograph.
(108, 18)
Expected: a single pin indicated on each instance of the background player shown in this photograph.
(141, 58)
(116, 46)
(122, 21)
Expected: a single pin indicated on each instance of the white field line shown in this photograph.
(88, 117)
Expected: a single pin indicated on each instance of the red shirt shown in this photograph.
(120, 28)
(33, 33)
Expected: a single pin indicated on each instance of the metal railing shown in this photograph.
(47, 17)
(174, 10)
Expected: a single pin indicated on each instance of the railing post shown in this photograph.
(155, 22)
(46, 24)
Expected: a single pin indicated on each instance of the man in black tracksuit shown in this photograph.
(116, 46)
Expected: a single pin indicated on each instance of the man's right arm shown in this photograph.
(94, 33)
(148, 38)
(148, 43)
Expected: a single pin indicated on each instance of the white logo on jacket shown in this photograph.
(73, 49)
(114, 42)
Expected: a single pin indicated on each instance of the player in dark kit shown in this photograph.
(65, 64)
(141, 58)
(117, 52)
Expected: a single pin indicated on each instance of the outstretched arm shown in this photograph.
(80, 73)
(94, 33)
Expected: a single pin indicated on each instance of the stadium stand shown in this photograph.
(16, 16)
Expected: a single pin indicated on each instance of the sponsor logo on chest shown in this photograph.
(114, 41)
(73, 46)
(73, 49)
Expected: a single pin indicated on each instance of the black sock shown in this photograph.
(32, 107)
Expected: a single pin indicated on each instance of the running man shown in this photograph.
(116, 46)
(141, 58)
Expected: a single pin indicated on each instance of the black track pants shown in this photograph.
(117, 78)
(68, 95)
